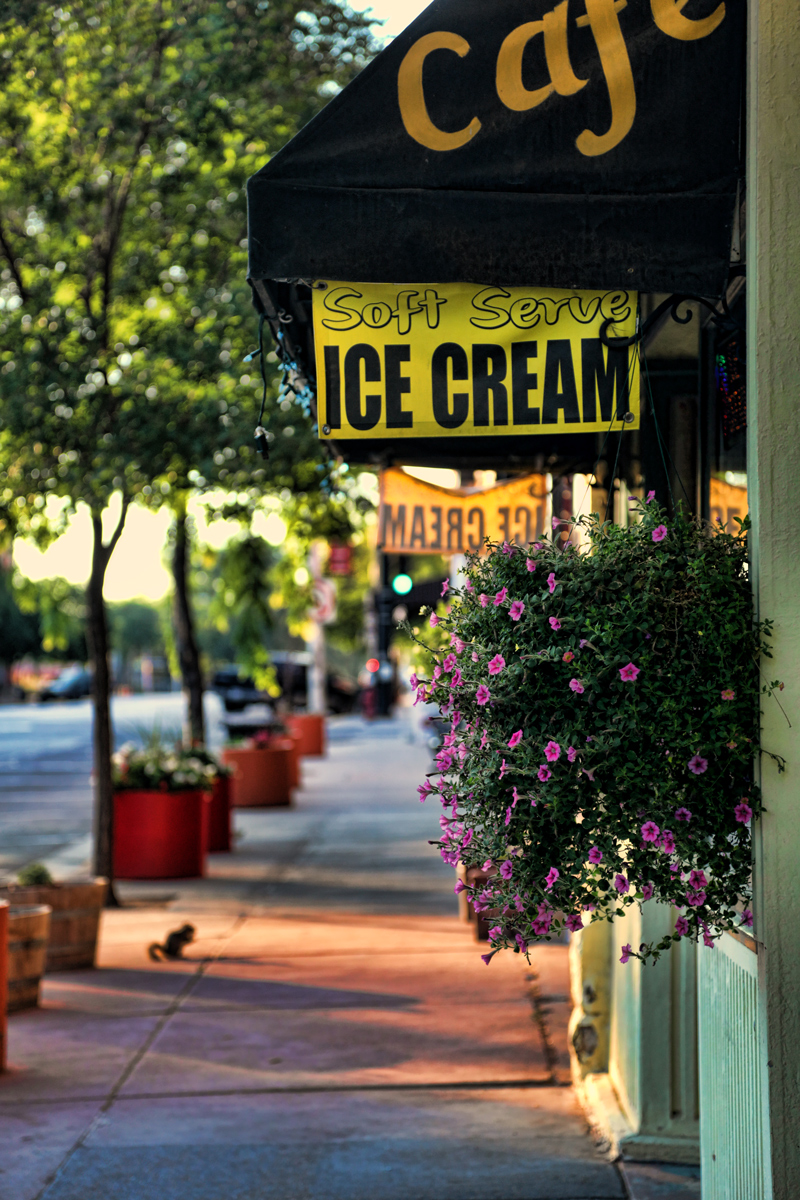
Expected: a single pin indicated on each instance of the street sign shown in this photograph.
(340, 559)
(420, 518)
(462, 360)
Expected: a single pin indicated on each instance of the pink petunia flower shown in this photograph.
(484, 739)
(530, 565)
(697, 765)
(647, 891)
(659, 533)
(728, 694)
(628, 674)
(495, 933)
(552, 875)
(555, 624)
(469, 586)
(697, 878)
(508, 549)
(567, 656)
(515, 739)
(683, 814)
(747, 917)
(552, 751)
(445, 587)
(682, 926)
(667, 841)
(516, 610)
(743, 812)
(589, 774)
(449, 663)
(507, 869)
(572, 754)
(460, 886)
(544, 773)
(650, 831)
(502, 768)
(695, 899)
(457, 678)
(434, 620)
(456, 643)
(574, 922)
(500, 596)
(650, 497)
(595, 855)
(577, 687)
(496, 665)
(484, 599)
(621, 884)
(424, 790)
(541, 924)
(551, 582)
(487, 958)
(475, 656)
(515, 794)
(508, 817)
(583, 642)
(483, 695)
(627, 953)
(422, 694)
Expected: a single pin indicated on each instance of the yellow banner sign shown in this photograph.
(461, 360)
(420, 518)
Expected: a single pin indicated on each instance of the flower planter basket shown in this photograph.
(4, 909)
(261, 776)
(28, 933)
(75, 920)
(604, 710)
(309, 728)
(160, 834)
(219, 816)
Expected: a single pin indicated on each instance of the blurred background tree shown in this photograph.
(126, 135)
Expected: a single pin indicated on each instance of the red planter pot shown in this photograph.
(262, 777)
(290, 743)
(160, 835)
(309, 729)
(219, 816)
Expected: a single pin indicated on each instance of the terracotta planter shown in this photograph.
(290, 743)
(75, 920)
(3, 982)
(160, 835)
(310, 731)
(219, 816)
(261, 777)
(28, 934)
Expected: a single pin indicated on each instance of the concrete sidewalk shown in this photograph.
(333, 1034)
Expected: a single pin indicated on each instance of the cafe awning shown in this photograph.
(582, 144)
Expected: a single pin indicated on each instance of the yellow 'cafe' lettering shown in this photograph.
(411, 94)
(601, 17)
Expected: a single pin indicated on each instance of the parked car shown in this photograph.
(72, 684)
(236, 691)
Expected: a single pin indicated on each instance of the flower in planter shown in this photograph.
(659, 806)
(728, 694)
(516, 610)
(555, 624)
(500, 597)
(659, 533)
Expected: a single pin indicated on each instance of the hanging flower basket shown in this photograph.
(605, 724)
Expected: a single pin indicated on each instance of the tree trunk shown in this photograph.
(186, 642)
(97, 640)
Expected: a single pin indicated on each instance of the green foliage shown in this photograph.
(59, 609)
(606, 720)
(127, 133)
(135, 628)
(241, 604)
(34, 875)
(19, 630)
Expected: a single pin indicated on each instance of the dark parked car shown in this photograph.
(73, 684)
(236, 691)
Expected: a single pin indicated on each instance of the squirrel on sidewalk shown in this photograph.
(173, 944)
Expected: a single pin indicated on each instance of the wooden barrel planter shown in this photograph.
(261, 776)
(28, 935)
(75, 920)
(219, 816)
(3, 983)
(160, 835)
(483, 921)
(309, 728)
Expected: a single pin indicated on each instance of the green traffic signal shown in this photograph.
(402, 584)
